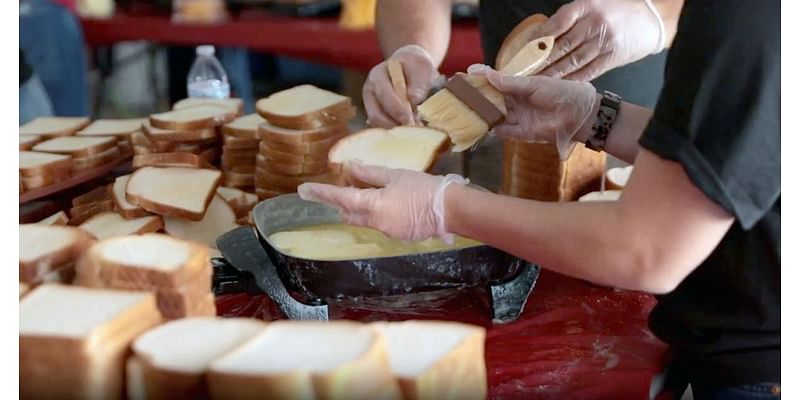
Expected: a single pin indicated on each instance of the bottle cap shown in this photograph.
(205, 50)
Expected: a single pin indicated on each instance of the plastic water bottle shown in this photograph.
(207, 79)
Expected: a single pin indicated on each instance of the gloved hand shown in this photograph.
(542, 109)
(594, 36)
(384, 107)
(409, 205)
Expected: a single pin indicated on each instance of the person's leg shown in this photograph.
(54, 47)
(33, 100)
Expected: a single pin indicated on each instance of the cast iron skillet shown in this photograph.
(314, 281)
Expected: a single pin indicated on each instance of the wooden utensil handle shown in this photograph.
(531, 58)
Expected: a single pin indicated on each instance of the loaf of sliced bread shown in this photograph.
(169, 362)
(243, 127)
(434, 360)
(26, 142)
(54, 126)
(203, 116)
(46, 248)
(60, 219)
(305, 107)
(73, 341)
(234, 143)
(405, 147)
(306, 360)
(77, 146)
(79, 214)
(173, 192)
(219, 219)
(310, 149)
(113, 127)
(32, 163)
(110, 224)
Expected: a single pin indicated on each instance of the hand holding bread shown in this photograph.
(384, 107)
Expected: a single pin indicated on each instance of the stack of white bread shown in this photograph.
(177, 271)
(51, 152)
(239, 150)
(190, 127)
(246, 359)
(73, 341)
(302, 124)
(120, 129)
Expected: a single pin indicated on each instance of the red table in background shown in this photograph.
(314, 39)
(573, 341)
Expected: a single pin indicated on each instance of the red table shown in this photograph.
(315, 39)
(574, 340)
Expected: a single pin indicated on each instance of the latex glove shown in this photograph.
(542, 109)
(384, 107)
(409, 205)
(594, 36)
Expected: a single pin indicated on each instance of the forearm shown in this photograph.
(623, 140)
(670, 11)
(536, 231)
(422, 22)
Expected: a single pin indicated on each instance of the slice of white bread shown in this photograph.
(54, 126)
(238, 179)
(606, 195)
(406, 147)
(317, 148)
(26, 142)
(219, 219)
(305, 107)
(33, 182)
(186, 160)
(241, 201)
(173, 192)
(306, 360)
(617, 178)
(288, 158)
(170, 361)
(77, 146)
(204, 116)
(233, 143)
(234, 104)
(304, 168)
(60, 218)
(150, 134)
(32, 163)
(434, 360)
(285, 183)
(79, 214)
(112, 127)
(106, 157)
(275, 133)
(97, 194)
(146, 262)
(244, 127)
(73, 341)
(110, 224)
(45, 248)
(121, 203)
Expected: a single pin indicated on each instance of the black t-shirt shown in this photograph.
(719, 117)
(638, 82)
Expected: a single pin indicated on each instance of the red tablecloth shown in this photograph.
(314, 39)
(574, 340)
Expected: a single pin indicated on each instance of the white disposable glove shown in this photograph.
(408, 205)
(384, 107)
(595, 36)
(542, 109)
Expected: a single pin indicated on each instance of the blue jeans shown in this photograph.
(54, 48)
(760, 391)
(33, 100)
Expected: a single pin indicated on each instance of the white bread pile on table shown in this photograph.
(239, 150)
(48, 253)
(121, 129)
(73, 341)
(177, 271)
(302, 124)
(53, 149)
(192, 126)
